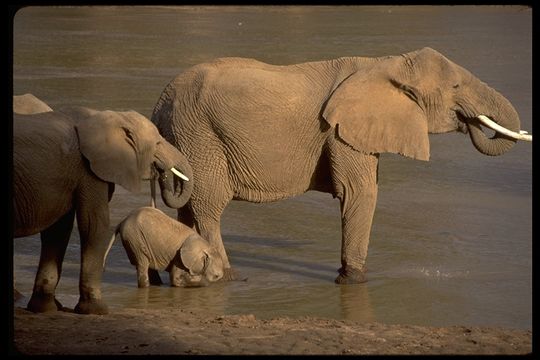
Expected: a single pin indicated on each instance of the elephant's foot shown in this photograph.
(91, 306)
(229, 274)
(350, 275)
(40, 303)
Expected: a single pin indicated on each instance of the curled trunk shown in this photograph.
(498, 109)
(498, 144)
(175, 192)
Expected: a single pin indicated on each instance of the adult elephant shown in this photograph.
(66, 164)
(261, 133)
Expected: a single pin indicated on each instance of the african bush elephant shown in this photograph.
(260, 133)
(155, 241)
(29, 104)
(67, 166)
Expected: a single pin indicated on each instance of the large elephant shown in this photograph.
(259, 132)
(66, 164)
(154, 241)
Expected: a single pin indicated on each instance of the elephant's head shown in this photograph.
(29, 104)
(393, 106)
(125, 147)
(202, 261)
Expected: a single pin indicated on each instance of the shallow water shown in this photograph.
(452, 238)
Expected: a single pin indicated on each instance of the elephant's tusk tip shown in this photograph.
(522, 135)
(179, 174)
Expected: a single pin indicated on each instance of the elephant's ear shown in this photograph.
(193, 255)
(116, 145)
(375, 113)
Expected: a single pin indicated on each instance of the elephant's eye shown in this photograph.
(455, 86)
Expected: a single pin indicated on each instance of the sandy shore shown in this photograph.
(176, 331)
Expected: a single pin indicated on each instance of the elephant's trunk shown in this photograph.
(175, 191)
(503, 113)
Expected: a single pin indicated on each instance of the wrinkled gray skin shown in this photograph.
(260, 133)
(155, 241)
(29, 104)
(66, 166)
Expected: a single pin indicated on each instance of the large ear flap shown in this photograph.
(375, 113)
(193, 255)
(119, 146)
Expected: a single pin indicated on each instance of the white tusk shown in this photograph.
(179, 174)
(494, 126)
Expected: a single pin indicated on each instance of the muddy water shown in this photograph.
(452, 238)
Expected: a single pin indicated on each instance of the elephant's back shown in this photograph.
(151, 233)
(50, 127)
(215, 95)
(45, 141)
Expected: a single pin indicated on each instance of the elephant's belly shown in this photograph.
(38, 207)
(279, 175)
(30, 222)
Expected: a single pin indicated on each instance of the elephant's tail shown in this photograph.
(111, 241)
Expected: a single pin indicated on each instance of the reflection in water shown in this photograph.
(451, 242)
(356, 304)
(211, 299)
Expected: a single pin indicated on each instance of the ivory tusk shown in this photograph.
(179, 174)
(522, 135)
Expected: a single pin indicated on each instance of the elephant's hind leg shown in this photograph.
(207, 218)
(142, 273)
(54, 241)
(209, 228)
(212, 191)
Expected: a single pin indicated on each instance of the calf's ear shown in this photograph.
(192, 255)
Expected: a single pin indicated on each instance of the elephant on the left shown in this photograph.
(66, 164)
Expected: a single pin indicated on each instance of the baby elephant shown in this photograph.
(156, 241)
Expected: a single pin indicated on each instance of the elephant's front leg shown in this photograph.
(355, 183)
(54, 241)
(356, 217)
(93, 223)
(142, 273)
(176, 276)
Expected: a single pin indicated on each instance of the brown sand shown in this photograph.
(176, 331)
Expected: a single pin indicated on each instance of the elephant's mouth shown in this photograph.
(461, 121)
